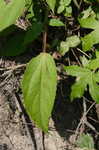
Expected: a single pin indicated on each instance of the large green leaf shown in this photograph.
(39, 89)
(10, 12)
(92, 38)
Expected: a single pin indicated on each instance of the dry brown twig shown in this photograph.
(83, 121)
(12, 68)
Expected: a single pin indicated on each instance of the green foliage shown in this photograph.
(70, 42)
(92, 38)
(10, 12)
(86, 142)
(64, 6)
(51, 4)
(54, 24)
(39, 88)
(85, 76)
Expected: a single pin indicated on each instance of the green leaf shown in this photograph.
(73, 41)
(93, 64)
(89, 22)
(39, 89)
(51, 4)
(75, 70)
(68, 11)
(97, 54)
(80, 86)
(62, 5)
(94, 88)
(85, 77)
(66, 2)
(96, 76)
(28, 2)
(85, 141)
(33, 32)
(10, 12)
(84, 61)
(64, 47)
(56, 22)
(88, 12)
(92, 38)
(60, 9)
(70, 42)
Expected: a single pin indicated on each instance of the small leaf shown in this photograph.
(63, 4)
(84, 61)
(88, 12)
(68, 11)
(64, 47)
(73, 41)
(80, 86)
(93, 64)
(75, 70)
(70, 42)
(51, 4)
(89, 22)
(56, 22)
(94, 88)
(60, 9)
(85, 141)
(39, 89)
(66, 2)
(92, 38)
(85, 77)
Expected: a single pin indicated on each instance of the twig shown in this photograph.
(83, 52)
(76, 58)
(83, 120)
(13, 67)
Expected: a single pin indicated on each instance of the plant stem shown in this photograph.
(44, 41)
(45, 30)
